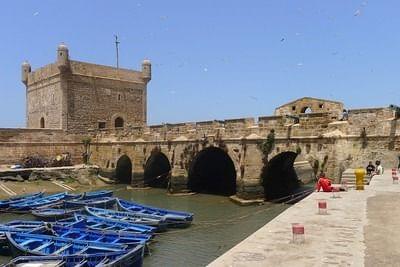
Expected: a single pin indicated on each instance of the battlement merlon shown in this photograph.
(65, 65)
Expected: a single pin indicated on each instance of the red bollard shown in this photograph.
(298, 233)
(322, 207)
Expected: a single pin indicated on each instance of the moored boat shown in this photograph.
(35, 244)
(152, 220)
(28, 205)
(4, 204)
(13, 229)
(173, 218)
(132, 258)
(104, 224)
(131, 240)
(51, 214)
(97, 194)
(102, 202)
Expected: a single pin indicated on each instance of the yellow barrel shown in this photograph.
(360, 173)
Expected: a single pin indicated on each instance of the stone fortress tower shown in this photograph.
(78, 96)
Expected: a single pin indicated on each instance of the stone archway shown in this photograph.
(123, 171)
(157, 170)
(212, 171)
(279, 176)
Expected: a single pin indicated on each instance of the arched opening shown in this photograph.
(42, 125)
(157, 170)
(279, 176)
(306, 110)
(212, 172)
(123, 171)
(119, 122)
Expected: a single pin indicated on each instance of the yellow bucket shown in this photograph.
(360, 173)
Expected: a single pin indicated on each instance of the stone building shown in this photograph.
(310, 105)
(78, 96)
(73, 100)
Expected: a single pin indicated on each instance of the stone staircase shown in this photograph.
(349, 177)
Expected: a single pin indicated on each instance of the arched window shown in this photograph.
(306, 110)
(42, 123)
(119, 122)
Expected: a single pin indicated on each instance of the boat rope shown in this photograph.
(63, 186)
(278, 200)
(7, 190)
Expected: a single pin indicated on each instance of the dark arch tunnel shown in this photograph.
(212, 171)
(279, 176)
(157, 171)
(123, 171)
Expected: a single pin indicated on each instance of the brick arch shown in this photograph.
(124, 169)
(157, 169)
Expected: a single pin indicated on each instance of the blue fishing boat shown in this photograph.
(102, 202)
(4, 204)
(28, 205)
(97, 194)
(103, 224)
(25, 224)
(174, 218)
(131, 240)
(13, 229)
(51, 214)
(152, 220)
(132, 258)
(41, 245)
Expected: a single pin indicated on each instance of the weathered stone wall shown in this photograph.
(15, 144)
(314, 105)
(78, 96)
(91, 101)
(44, 98)
(317, 136)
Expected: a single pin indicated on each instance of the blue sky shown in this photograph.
(214, 59)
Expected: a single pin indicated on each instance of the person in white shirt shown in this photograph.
(379, 168)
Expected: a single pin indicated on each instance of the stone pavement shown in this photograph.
(361, 229)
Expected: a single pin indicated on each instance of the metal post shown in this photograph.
(116, 47)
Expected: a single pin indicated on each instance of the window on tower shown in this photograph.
(119, 122)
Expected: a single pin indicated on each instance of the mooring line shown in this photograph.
(7, 190)
(63, 186)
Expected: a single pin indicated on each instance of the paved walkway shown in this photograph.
(362, 228)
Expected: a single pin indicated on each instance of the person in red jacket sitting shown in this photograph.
(324, 183)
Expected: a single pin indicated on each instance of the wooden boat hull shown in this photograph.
(42, 245)
(173, 218)
(133, 258)
(4, 204)
(97, 194)
(96, 223)
(152, 220)
(29, 205)
(103, 202)
(50, 215)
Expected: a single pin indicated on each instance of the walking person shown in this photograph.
(379, 168)
(370, 169)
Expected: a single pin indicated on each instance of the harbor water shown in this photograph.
(218, 225)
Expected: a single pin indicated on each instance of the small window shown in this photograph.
(119, 97)
(42, 125)
(102, 124)
(119, 122)
(293, 108)
(306, 110)
(321, 105)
